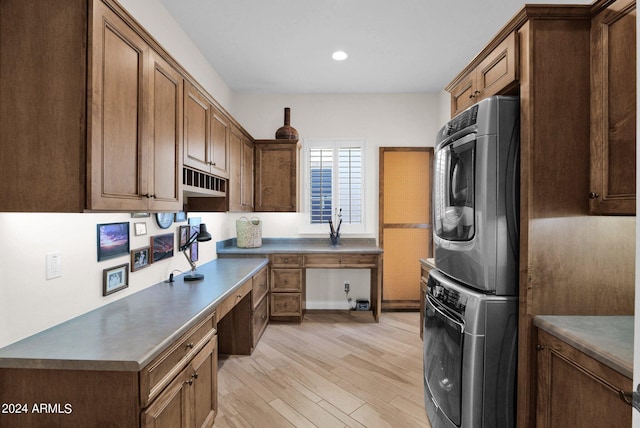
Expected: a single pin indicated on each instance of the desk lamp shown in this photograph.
(201, 236)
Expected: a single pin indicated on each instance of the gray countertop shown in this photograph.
(301, 245)
(608, 339)
(127, 334)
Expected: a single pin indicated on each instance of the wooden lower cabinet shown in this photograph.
(287, 299)
(575, 390)
(190, 400)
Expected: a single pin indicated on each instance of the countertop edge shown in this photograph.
(549, 324)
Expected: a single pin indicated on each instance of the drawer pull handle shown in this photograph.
(190, 345)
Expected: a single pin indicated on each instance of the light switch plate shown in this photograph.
(54, 265)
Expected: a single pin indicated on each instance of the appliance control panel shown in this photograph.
(465, 119)
(450, 298)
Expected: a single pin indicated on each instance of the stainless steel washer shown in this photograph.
(470, 354)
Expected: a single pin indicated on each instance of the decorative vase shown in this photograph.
(287, 132)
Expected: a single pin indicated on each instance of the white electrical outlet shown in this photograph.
(54, 265)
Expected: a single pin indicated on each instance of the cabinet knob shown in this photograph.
(594, 195)
(190, 345)
(540, 347)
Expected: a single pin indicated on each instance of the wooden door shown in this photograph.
(197, 112)
(234, 192)
(219, 144)
(404, 222)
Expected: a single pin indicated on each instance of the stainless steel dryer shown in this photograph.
(470, 344)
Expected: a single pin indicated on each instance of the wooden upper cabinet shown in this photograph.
(219, 147)
(197, 131)
(135, 119)
(276, 175)
(166, 143)
(119, 76)
(240, 193)
(495, 73)
(613, 110)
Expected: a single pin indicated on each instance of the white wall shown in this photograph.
(383, 120)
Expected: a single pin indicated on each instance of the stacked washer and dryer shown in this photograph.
(471, 316)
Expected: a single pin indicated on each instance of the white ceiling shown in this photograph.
(394, 46)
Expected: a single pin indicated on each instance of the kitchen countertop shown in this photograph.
(301, 245)
(608, 339)
(127, 334)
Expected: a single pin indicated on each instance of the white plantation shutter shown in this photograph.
(336, 181)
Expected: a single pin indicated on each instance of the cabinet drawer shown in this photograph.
(340, 260)
(227, 304)
(286, 260)
(286, 280)
(286, 304)
(260, 286)
(259, 319)
(159, 373)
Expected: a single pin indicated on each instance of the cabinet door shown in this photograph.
(462, 94)
(166, 139)
(247, 175)
(276, 173)
(235, 173)
(219, 144)
(197, 134)
(171, 407)
(498, 70)
(205, 385)
(118, 175)
(575, 390)
(613, 110)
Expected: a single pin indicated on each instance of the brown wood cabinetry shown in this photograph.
(260, 305)
(576, 390)
(613, 109)
(276, 175)
(287, 287)
(495, 73)
(108, 113)
(206, 136)
(240, 171)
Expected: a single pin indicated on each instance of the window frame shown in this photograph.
(335, 144)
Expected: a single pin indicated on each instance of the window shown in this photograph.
(335, 184)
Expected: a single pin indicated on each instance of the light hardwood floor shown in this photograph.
(329, 371)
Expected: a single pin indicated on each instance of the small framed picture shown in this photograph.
(113, 240)
(184, 235)
(115, 279)
(180, 217)
(140, 229)
(162, 247)
(140, 258)
(140, 215)
(193, 251)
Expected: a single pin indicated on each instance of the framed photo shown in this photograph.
(162, 247)
(115, 279)
(140, 229)
(180, 217)
(113, 240)
(140, 215)
(184, 235)
(140, 258)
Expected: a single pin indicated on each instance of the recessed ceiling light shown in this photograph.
(339, 55)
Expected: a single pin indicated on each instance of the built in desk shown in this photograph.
(289, 259)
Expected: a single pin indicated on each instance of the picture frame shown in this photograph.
(140, 215)
(140, 258)
(180, 217)
(115, 279)
(113, 240)
(193, 252)
(184, 234)
(162, 247)
(140, 228)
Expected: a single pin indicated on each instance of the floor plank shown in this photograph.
(332, 370)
